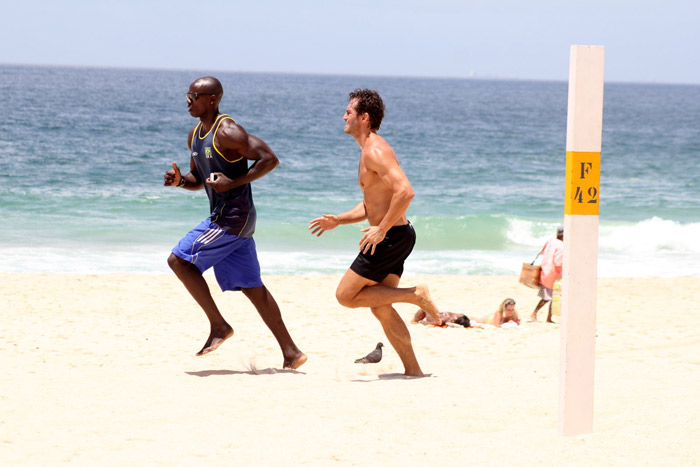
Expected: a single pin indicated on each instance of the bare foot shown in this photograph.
(427, 304)
(416, 372)
(550, 321)
(533, 317)
(295, 362)
(216, 338)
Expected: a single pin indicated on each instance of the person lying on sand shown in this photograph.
(455, 318)
(505, 313)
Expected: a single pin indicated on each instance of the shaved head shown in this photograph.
(209, 85)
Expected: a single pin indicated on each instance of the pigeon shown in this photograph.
(374, 356)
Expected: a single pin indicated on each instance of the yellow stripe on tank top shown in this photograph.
(212, 127)
(246, 223)
(214, 140)
(194, 133)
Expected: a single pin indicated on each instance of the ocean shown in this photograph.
(83, 152)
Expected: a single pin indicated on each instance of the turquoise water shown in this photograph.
(83, 151)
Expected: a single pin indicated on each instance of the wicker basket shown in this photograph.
(530, 275)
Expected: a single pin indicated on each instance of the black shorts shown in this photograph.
(389, 254)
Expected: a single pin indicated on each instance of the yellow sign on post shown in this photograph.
(582, 190)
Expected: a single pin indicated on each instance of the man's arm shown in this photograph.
(192, 180)
(354, 215)
(387, 168)
(233, 139)
(331, 221)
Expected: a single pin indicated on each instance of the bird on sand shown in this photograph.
(374, 356)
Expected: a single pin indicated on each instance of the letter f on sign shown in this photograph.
(585, 167)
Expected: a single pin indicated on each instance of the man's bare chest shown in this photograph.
(366, 177)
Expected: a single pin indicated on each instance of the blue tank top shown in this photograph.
(233, 210)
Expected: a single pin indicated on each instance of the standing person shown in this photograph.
(373, 278)
(552, 263)
(220, 151)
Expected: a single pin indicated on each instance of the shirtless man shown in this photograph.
(220, 151)
(373, 278)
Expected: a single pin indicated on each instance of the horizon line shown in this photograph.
(472, 76)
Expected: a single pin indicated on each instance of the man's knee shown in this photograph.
(176, 263)
(345, 297)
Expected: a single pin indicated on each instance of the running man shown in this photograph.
(373, 278)
(220, 151)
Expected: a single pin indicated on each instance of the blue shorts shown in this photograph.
(234, 258)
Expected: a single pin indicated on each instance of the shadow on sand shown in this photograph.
(266, 371)
(390, 377)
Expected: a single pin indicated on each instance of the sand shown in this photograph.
(101, 369)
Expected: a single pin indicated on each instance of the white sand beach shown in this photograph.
(101, 369)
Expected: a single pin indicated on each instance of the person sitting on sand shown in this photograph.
(505, 313)
(457, 318)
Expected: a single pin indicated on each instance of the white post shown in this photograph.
(584, 130)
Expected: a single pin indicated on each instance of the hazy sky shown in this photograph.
(645, 41)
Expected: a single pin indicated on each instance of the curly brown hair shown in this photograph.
(368, 101)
